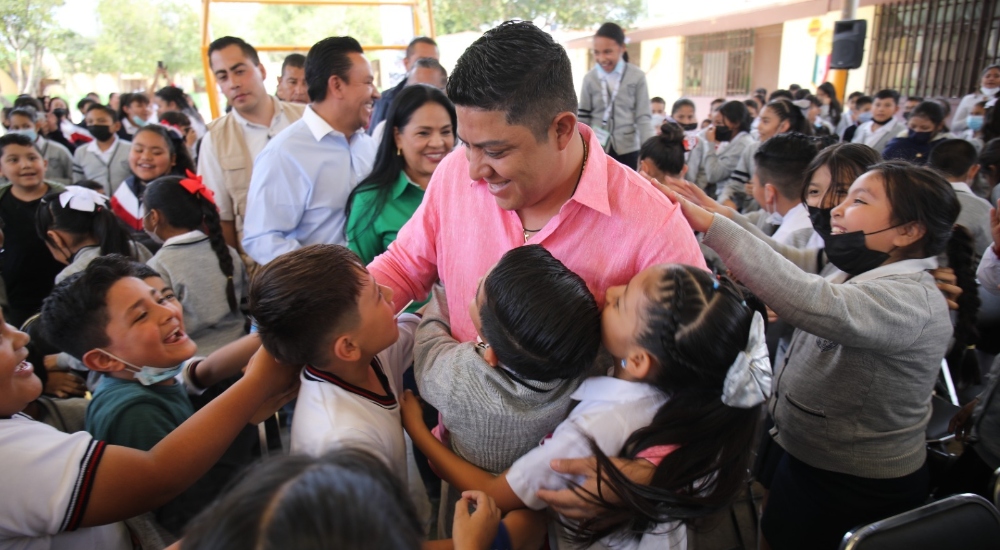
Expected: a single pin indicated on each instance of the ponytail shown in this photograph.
(961, 255)
(187, 204)
(96, 221)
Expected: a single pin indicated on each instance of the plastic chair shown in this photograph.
(995, 486)
(965, 521)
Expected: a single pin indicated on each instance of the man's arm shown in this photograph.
(276, 202)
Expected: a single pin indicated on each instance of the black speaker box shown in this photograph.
(848, 44)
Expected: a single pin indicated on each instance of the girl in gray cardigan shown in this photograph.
(852, 399)
(614, 100)
(195, 261)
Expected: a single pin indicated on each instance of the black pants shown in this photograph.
(628, 159)
(813, 508)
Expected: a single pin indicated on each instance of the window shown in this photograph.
(718, 64)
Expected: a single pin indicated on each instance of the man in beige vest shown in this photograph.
(233, 141)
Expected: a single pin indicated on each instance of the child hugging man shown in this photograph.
(318, 306)
(540, 330)
(118, 325)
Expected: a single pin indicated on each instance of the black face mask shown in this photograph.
(723, 133)
(882, 122)
(690, 127)
(848, 253)
(101, 132)
(820, 218)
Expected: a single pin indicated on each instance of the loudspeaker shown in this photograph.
(848, 44)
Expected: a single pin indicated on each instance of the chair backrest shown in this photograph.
(965, 521)
(995, 487)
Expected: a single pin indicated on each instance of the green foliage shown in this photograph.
(306, 25)
(25, 28)
(452, 16)
(135, 34)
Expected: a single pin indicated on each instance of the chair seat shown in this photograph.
(967, 521)
(942, 412)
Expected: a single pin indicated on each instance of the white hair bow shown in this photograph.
(82, 199)
(748, 382)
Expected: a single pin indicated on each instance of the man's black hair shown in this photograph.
(329, 57)
(75, 315)
(517, 69)
(419, 40)
(953, 157)
(539, 317)
(888, 94)
(296, 60)
(221, 43)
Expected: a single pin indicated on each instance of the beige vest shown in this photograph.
(237, 164)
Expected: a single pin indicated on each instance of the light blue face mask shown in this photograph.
(864, 117)
(29, 132)
(138, 121)
(974, 122)
(147, 376)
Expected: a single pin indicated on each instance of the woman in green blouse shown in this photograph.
(419, 132)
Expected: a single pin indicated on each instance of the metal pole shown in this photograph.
(848, 11)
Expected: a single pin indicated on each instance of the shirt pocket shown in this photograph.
(804, 421)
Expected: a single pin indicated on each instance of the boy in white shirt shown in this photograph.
(319, 306)
(877, 132)
(777, 186)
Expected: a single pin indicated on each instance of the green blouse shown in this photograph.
(369, 237)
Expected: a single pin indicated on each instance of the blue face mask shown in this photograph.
(864, 117)
(974, 122)
(33, 135)
(147, 376)
(921, 137)
(138, 121)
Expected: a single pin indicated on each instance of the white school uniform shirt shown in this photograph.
(988, 272)
(610, 410)
(796, 219)
(46, 481)
(331, 413)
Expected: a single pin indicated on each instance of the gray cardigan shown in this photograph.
(88, 166)
(630, 122)
(853, 395)
(493, 418)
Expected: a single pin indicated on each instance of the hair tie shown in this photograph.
(173, 127)
(748, 382)
(82, 199)
(193, 184)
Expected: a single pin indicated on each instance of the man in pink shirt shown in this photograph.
(528, 173)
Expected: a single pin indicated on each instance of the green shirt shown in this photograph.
(124, 412)
(369, 237)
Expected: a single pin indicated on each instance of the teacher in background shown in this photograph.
(615, 98)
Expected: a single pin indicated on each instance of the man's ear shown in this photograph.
(564, 127)
(97, 360)
(345, 349)
(263, 72)
(335, 86)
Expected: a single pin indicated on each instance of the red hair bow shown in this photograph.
(195, 186)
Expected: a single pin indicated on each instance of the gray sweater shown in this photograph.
(630, 121)
(88, 166)
(189, 265)
(493, 418)
(853, 395)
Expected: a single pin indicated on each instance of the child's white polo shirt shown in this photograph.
(46, 482)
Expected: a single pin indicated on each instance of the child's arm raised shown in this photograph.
(453, 469)
(223, 363)
(129, 482)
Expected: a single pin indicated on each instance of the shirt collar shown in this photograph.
(188, 237)
(277, 114)
(901, 267)
(618, 70)
(92, 146)
(402, 184)
(961, 187)
(317, 126)
(593, 189)
(607, 388)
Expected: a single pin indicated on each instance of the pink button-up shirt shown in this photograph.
(614, 226)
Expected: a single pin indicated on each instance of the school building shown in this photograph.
(930, 48)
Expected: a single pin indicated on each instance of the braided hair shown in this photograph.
(695, 327)
(191, 211)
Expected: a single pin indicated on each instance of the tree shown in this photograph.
(452, 16)
(291, 25)
(135, 34)
(27, 27)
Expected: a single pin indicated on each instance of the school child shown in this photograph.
(318, 306)
(156, 152)
(118, 325)
(26, 120)
(853, 433)
(690, 374)
(925, 130)
(362, 504)
(956, 159)
(78, 226)
(181, 213)
(73, 491)
(539, 332)
(777, 186)
(28, 269)
(105, 159)
(883, 126)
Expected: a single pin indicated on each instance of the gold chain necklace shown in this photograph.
(586, 153)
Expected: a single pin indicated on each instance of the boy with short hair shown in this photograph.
(777, 186)
(877, 132)
(117, 325)
(861, 112)
(958, 161)
(28, 268)
(27, 121)
(106, 158)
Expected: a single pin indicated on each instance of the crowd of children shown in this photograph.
(585, 409)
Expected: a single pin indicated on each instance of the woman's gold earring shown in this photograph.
(399, 152)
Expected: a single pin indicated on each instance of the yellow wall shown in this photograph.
(663, 61)
(799, 49)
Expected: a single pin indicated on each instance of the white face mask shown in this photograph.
(658, 120)
(147, 376)
(152, 234)
(989, 91)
